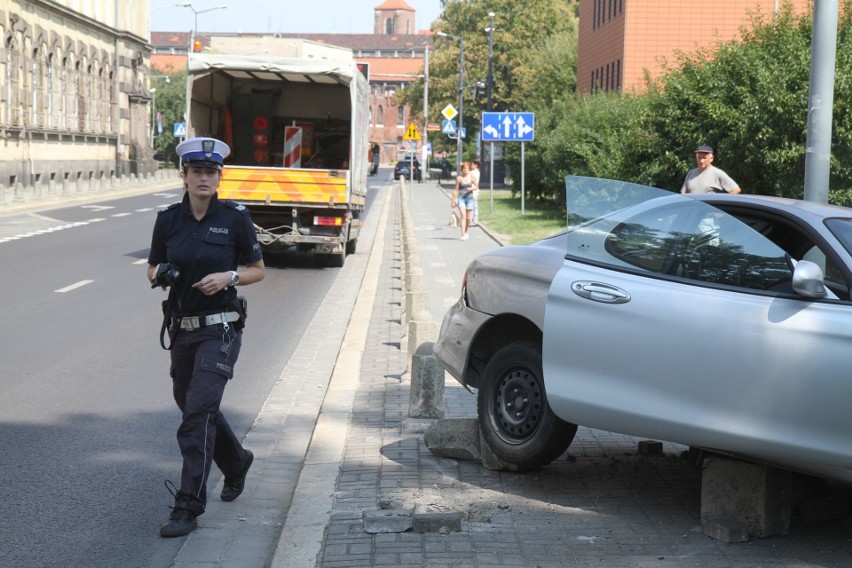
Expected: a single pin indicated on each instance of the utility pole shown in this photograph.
(821, 101)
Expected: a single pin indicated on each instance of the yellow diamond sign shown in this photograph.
(411, 133)
(449, 112)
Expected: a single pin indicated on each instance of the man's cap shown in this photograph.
(705, 148)
(203, 153)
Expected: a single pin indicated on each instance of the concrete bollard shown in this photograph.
(736, 493)
(414, 279)
(426, 393)
(419, 330)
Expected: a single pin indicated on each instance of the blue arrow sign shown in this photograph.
(508, 126)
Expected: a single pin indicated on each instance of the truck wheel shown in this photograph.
(335, 260)
(351, 246)
(516, 420)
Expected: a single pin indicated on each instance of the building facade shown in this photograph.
(74, 101)
(623, 41)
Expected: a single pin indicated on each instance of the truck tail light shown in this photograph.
(328, 221)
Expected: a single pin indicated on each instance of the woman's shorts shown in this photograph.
(467, 200)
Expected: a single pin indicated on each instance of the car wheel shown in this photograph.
(516, 420)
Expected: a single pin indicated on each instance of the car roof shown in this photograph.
(812, 210)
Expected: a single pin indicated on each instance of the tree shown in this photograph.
(171, 102)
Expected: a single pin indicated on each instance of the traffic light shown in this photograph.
(364, 68)
(196, 46)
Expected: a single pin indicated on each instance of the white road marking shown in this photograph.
(74, 286)
(121, 215)
(141, 261)
(97, 207)
(145, 210)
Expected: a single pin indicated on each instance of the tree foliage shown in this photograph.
(747, 98)
(171, 102)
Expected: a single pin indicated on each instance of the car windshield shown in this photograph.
(635, 227)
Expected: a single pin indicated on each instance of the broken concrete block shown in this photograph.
(456, 438)
(754, 495)
(387, 521)
(426, 521)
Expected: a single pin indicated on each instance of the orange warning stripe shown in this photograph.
(277, 185)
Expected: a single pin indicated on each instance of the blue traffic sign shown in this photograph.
(508, 126)
(180, 130)
(448, 127)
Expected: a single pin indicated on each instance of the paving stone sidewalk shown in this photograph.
(601, 504)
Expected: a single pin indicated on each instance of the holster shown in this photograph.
(240, 304)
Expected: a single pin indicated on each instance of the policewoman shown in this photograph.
(196, 249)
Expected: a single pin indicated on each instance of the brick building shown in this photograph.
(623, 40)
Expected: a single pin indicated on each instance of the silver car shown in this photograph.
(716, 321)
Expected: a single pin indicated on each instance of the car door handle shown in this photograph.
(600, 292)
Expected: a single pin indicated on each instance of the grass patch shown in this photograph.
(538, 221)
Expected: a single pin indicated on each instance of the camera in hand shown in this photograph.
(167, 275)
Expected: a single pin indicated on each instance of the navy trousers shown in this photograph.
(202, 364)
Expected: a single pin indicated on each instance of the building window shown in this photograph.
(618, 75)
(388, 26)
(380, 116)
(400, 116)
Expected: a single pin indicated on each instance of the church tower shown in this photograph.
(394, 17)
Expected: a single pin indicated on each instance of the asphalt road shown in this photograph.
(87, 421)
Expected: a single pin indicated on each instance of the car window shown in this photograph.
(672, 235)
(841, 228)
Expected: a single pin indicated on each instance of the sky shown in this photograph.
(287, 16)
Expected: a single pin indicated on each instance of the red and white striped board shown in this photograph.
(292, 147)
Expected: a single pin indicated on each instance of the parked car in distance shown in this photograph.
(403, 169)
(717, 321)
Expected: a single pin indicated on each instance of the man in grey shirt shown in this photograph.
(707, 178)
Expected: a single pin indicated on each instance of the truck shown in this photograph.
(298, 132)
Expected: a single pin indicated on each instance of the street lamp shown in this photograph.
(461, 97)
(426, 110)
(488, 88)
(490, 30)
(196, 12)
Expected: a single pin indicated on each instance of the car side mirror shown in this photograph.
(808, 279)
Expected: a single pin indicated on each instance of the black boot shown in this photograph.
(235, 484)
(183, 520)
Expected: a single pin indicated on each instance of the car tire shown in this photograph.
(515, 418)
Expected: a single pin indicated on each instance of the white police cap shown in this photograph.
(203, 153)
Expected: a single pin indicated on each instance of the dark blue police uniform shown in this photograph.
(203, 358)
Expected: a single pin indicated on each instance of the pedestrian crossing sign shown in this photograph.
(411, 133)
(180, 130)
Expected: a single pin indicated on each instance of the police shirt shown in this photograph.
(216, 243)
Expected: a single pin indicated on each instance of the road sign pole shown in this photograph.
(522, 178)
(491, 180)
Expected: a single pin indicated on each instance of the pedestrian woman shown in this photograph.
(463, 197)
(196, 248)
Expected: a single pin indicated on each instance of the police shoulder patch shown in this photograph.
(169, 208)
(236, 206)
